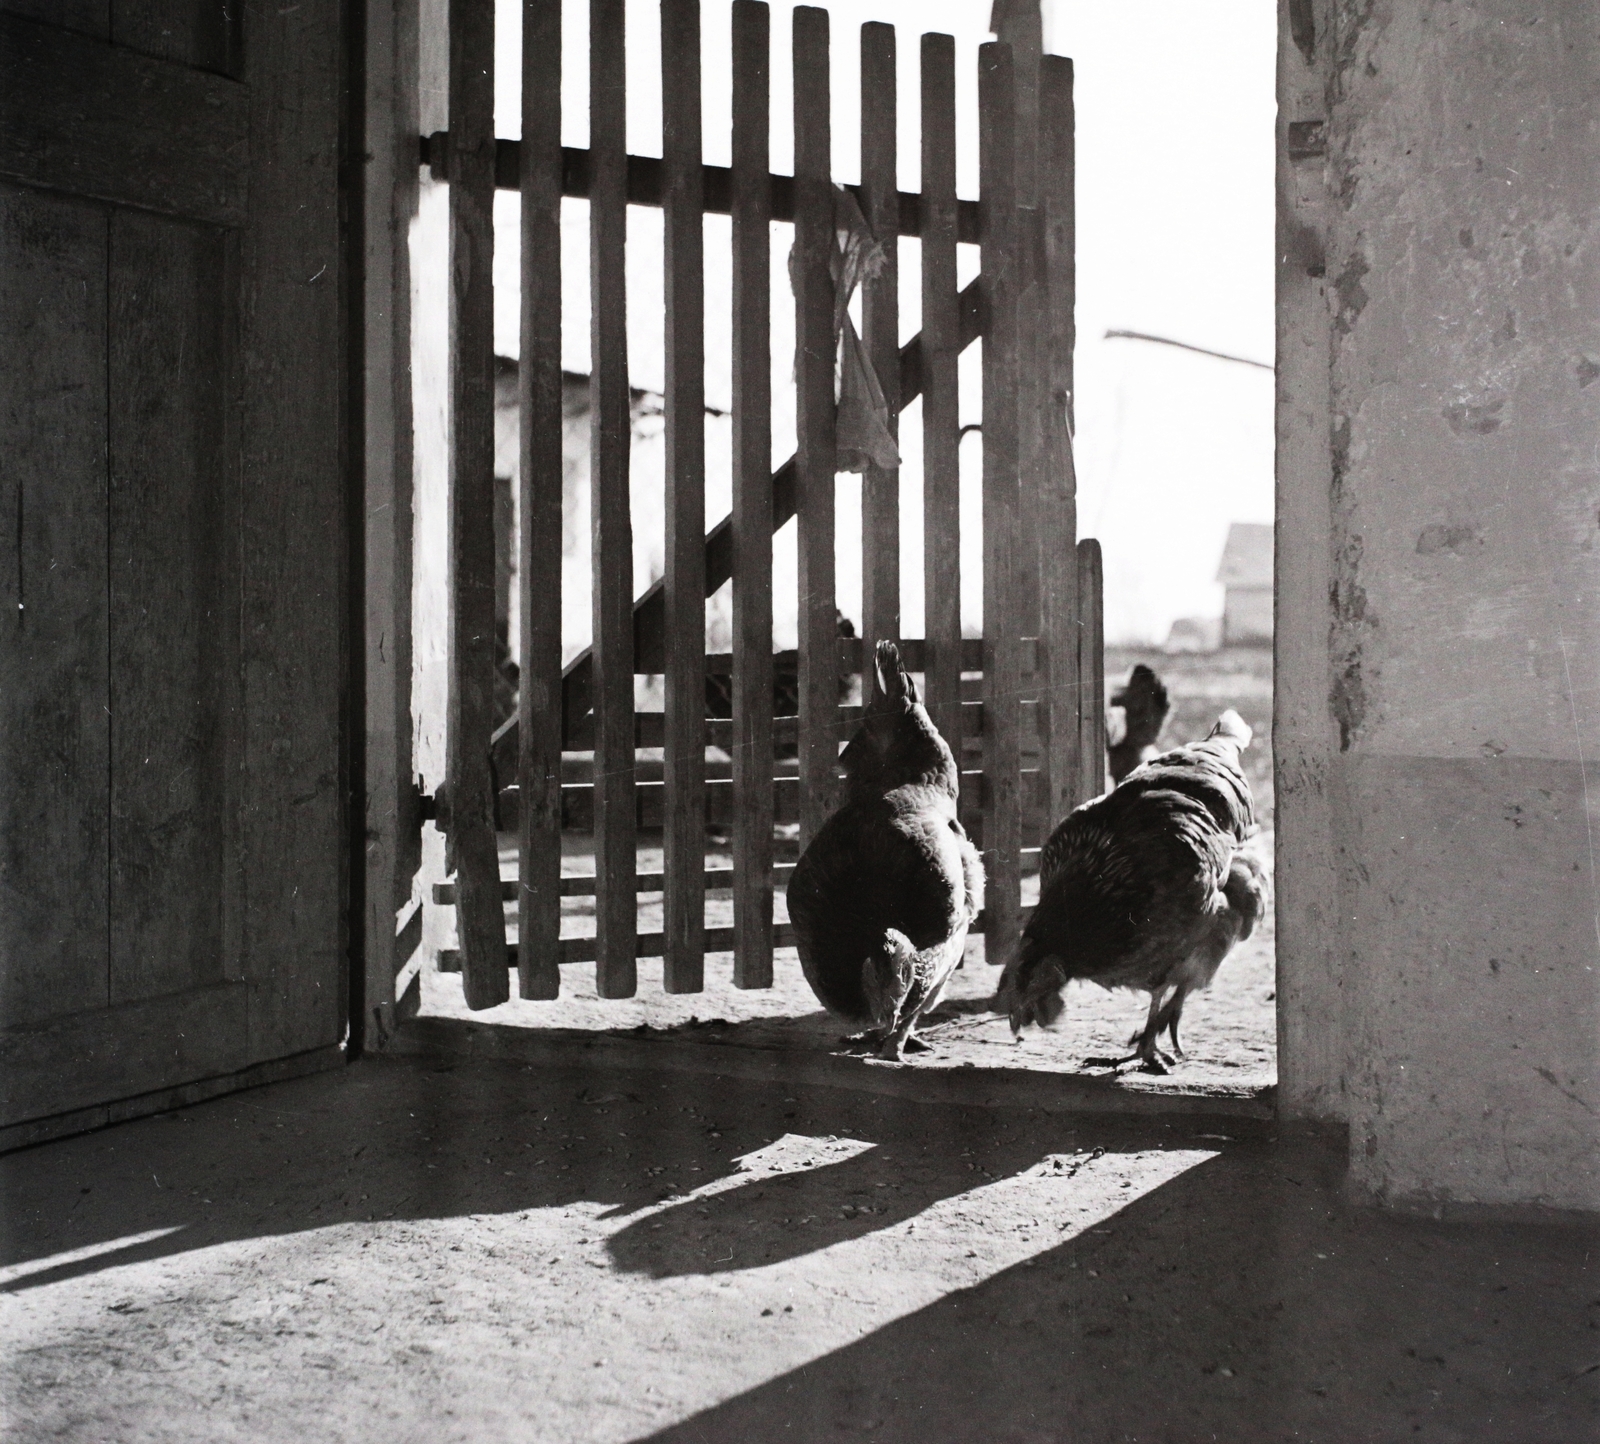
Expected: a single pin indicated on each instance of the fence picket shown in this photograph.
(814, 421)
(1002, 814)
(1091, 669)
(941, 417)
(684, 834)
(1058, 502)
(539, 407)
(471, 837)
(880, 335)
(615, 832)
(752, 500)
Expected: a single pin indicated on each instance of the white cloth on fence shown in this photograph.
(862, 437)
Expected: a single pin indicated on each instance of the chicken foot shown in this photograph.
(1163, 1018)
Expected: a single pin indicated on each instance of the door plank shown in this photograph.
(81, 1059)
(752, 499)
(203, 34)
(81, 116)
(295, 509)
(54, 722)
(168, 586)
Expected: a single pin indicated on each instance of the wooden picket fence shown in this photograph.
(1023, 705)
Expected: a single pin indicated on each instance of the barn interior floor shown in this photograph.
(442, 1247)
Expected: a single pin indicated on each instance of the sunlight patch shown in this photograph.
(12, 1272)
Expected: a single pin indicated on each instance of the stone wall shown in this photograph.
(1439, 518)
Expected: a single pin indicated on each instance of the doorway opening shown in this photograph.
(731, 979)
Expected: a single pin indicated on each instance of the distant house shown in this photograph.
(1246, 577)
(1194, 634)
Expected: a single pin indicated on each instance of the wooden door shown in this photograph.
(172, 580)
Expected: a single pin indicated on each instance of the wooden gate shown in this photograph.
(1023, 705)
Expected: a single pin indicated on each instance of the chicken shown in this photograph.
(1144, 704)
(1145, 887)
(882, 898)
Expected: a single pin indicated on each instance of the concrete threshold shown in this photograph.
(700, 1051)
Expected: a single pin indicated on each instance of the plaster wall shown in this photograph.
(1437, 844)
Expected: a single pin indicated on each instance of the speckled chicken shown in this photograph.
(1145, 887)
(1143, 699)
(882, 897)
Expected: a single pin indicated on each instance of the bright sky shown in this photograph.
(1175, 221)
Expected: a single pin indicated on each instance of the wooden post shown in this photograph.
(479, 913)
(389, 200)
(1058, 499)
(684, 819)
(814, 420)
(539, 406)
(880, 320)
(752, 500)
(1091, 670)
(1002, 817)
(941, 418)
(615, 826)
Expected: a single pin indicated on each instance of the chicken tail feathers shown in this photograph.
(893, 679)
(1030, 988)
(1232, 726)
(886, 977)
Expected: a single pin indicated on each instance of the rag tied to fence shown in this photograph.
(862, 437)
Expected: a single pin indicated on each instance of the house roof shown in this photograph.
(1247, 556)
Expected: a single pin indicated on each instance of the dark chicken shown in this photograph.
(882, 897)
(1143, 699)
(1144, 888)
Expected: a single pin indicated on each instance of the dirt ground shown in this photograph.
(1229, 1032)
(441, 1248)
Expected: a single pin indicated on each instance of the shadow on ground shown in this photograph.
(1240, 1300)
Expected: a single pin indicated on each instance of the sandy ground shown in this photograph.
(431, 1249)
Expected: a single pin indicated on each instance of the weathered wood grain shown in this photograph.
(171, 573)
(684, 838)
(472, 847)
(1058, 501)
(880, 334)
(539, 405)
(609, 451)
(202, 34)
(389, 200)
(82, 1059)
(814, 420)
(54, 698)
(91, 17)
(751, 204)
(84, 117)
(294, 520)
(1002, 813)
(941, 418)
